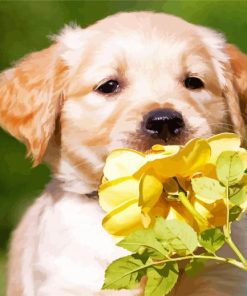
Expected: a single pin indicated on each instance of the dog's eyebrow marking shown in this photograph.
(82, 92)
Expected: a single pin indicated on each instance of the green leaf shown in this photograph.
(212, 239)
(124, 273)
(235, 213)
(144, 238)
(207, 189)
(195, 266)
(161, 280)
(176, 236)
(238, 195)
(229, 168)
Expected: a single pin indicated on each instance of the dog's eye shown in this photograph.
(109, 87)
(193, 83)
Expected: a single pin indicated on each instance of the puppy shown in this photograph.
(94, 90)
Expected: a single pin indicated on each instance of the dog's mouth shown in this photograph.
(143, 142)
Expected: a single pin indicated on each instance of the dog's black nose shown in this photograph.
(163, 123)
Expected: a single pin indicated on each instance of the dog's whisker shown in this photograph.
(216, 124)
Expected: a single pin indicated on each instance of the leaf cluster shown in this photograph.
(156, 253)
(229, 186)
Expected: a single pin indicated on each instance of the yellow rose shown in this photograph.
(141, 186)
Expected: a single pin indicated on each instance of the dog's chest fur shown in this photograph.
(70, 249)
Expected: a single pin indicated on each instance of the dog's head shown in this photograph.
(130, 80)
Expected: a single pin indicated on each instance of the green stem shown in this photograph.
(235, 249)
(227, 232)
(228, 227)
(217, 258)
(185, 201)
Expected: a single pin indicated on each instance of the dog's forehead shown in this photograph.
(133, 37)
(133, 32)
(142, 39)
(127, 43)
(143, 22)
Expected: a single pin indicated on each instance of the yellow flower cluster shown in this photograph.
(137, 187)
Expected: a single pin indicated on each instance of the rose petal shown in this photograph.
(123, 219)
(179, 212)
(116, 192)
(167, 167)
(194, 155)
(223, 142)
(215, 213)
(186, 162)
(161, 208)
(123, 162)
(150, 190)
(167, 151)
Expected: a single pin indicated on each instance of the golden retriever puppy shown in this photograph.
(130, 80)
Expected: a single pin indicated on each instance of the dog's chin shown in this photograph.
(143, 142)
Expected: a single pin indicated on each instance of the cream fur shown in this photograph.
(60, 247)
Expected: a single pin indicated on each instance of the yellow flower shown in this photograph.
(140, 186)
(127, 200)
(188, 160)
(122, 163)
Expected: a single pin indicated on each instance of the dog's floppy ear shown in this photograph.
(238, 61)
(30, 98)
(230, 66)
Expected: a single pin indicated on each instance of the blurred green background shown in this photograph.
(25, 26)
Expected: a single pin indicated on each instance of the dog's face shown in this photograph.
(152, 81)
(131, 80)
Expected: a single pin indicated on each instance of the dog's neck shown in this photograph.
(67, 177)
(57, 188)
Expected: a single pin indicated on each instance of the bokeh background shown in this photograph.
(24, 27)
